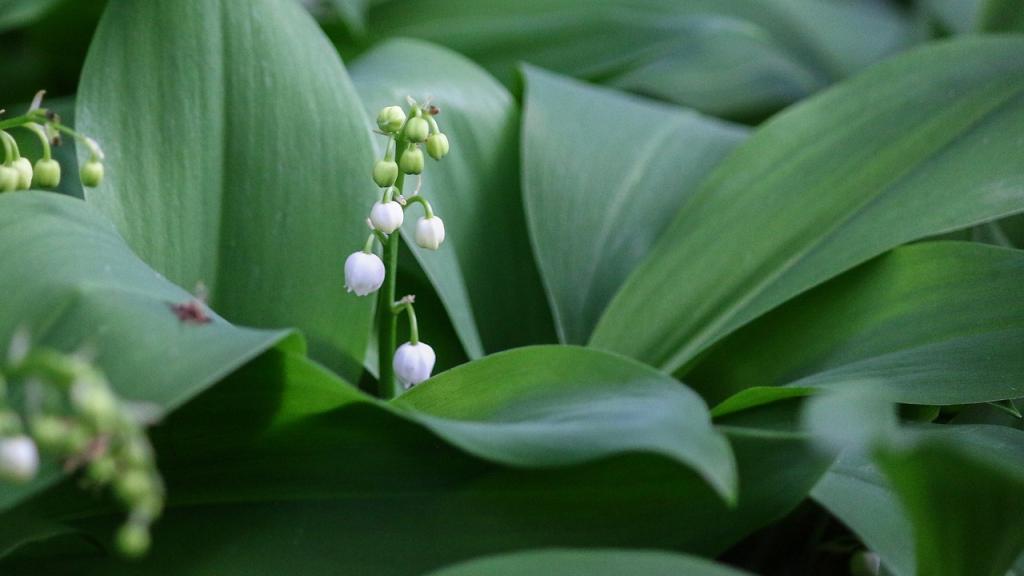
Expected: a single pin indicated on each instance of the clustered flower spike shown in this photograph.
(365, 272)
(65, 409)
(18, 173)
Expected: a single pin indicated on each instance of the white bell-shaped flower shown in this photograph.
(413, 363)
(364, 273)
(19, 458)
(387, 217)
(429, 232)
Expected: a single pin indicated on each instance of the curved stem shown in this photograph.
(387, 321)
(427, 210)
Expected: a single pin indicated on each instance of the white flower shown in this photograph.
(19, 458)
(430, 233)
(387, 217)
(413, 363)
(364, 273)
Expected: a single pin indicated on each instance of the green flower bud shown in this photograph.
(437, 146)
(47, 174)
(24, 169)
(50, 432)
(390, 119)
(102, 470)
(95, 402)
(8, 179)
(385, 172)
(133, 540)
(412, 160)
(133, 486)
(91, 173)
(416, 129)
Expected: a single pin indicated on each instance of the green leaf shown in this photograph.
(818, 40)
(237, 156)
(1002, 16)
(886, 326)
(341, 471)
(546, 406)
(16, 13)
(603, 174)
(590, 562)
(916, 146)
(71, 281)
(963, 489)
(484, 273)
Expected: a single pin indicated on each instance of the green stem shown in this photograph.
(387, 321)
(16, 121)
(427, 210)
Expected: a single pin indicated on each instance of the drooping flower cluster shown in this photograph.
(18, 173)
(60, 405)
(365, 271)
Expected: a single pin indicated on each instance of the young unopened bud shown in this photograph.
(133, 540)
(416, 129)
(390, 119)
(50, 431)
(19, 459)
(133, 485)
(95, 402)
(91, 173)
(8, 179)
(437, 146)
(24, 169)
(385, 172)
(413, 363)
(387, 217)
(412, 160)
(364, 273)
(429, 232)
(47, 173)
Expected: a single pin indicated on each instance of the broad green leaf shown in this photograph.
(610, 37)
(957, 16)
(1002, 16)
(963, 490)
(15, 13)
(557, 405)
(483, 273)
(918, 145)
(314, 493)
(71, 281)
(887, 327)
(237, 156)
(562, 562)
(603, 173)
(855, 491)
(721, 66)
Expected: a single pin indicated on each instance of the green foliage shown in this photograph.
(860, 248)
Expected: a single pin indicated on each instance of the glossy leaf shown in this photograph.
(562, 562)
(237, 156)
(71, 281)
(603, 173)
(918, 145)
(824, 40)
(483, 272)
(887, 327)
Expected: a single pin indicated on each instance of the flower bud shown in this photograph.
(47, 173)
(437, 146)
(102, 470)
(50, 431)
(95, 402)
(385, 172)
(24, 169)
(133, 485)
(429, 233)
(364, 273)
(8, 179)
(412, 160)
(416, 129)
(390, 119)
(91, 173)
(387, 217)
(133, 540)
(19, 459)
(413, 363)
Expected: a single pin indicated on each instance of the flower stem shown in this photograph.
(387, 321)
